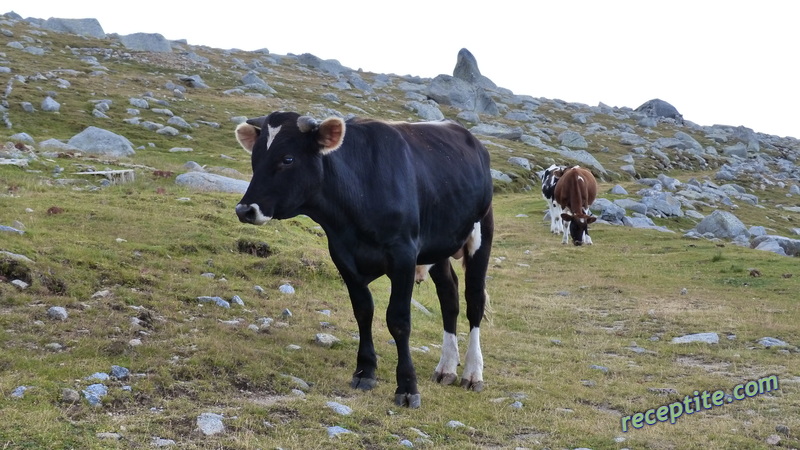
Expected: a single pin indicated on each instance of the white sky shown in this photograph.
(718, 62)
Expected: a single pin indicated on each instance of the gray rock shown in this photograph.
(608, 211)
(50, 105)
(160, 442)
(772, 342)
(573, 139)
(57, 313)
(500, 176)
(467, 69)
(82, 27)
(102, 142)
(722, 224)
(521, 162)
(603, 369)
(498, 131)
(707, 338)
(331, 66)
(69, 396)
(19, 391)
(337, 430)
(194, 81)
(340, 409)
(778, 244)
(210, 424)
(146, 42)
(451, 91)
(631, 205)
(207, 182)
(426, 110)
(660, 108)
(662, 204)
(219, 301)
(618, 190)
(94, 393)
(286, 289)
(325, 340)
(120, 373)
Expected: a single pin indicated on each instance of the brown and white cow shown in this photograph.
(575, 192)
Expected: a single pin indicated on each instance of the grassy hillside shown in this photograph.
(578, 337)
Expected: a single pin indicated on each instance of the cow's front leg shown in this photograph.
(398, 320)
(366, 361)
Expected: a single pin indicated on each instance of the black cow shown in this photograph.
(390, 197)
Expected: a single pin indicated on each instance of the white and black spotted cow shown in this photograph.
(549, 180)
(390, 197)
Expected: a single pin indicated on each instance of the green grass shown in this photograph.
(556, 310)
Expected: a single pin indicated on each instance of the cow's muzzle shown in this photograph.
(251, 214)
(577, 243)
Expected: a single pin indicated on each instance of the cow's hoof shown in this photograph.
(365, 384)
(470, 385)
(444, 378)
(409, 400)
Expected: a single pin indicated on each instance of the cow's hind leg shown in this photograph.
(446, 281)
(476, 263)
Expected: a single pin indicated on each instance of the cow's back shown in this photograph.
(430, 175)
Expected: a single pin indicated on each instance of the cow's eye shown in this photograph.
(287, 160)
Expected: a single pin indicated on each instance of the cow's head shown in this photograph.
(286, 151)
(578, 226)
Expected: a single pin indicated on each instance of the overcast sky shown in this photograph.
(718, 62)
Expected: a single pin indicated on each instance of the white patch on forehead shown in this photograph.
(580, 178)
(272, 132)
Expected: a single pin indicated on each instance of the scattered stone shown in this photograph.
(120, 373)
(109, 436)
(19, 392)
(286, 289)
(708, 338)
(325, 340)
(600, 368)
(236, 300)
(19, 284)
(69, 396)
(57, 313)
(782, 429)
(159, 442)
(210, 423)
(455, 424)
(340, 409)
(772, 342)
(337, 430)
(773, 439)
(219, 301)
(94, 393)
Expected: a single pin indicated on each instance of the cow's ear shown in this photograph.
(247, 135)
(566, 217)
(330, 135)
(591, 219)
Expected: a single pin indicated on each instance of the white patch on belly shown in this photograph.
(474, 239)
(273, 131)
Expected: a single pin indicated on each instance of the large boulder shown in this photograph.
(790, 247)
(467, 69)
(82, 27)
(660, 108)
(722, 224)
(452, 91)
(208, 182)
(102, 142)
(146, 42)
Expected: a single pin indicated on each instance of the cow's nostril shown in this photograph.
(245, 213)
